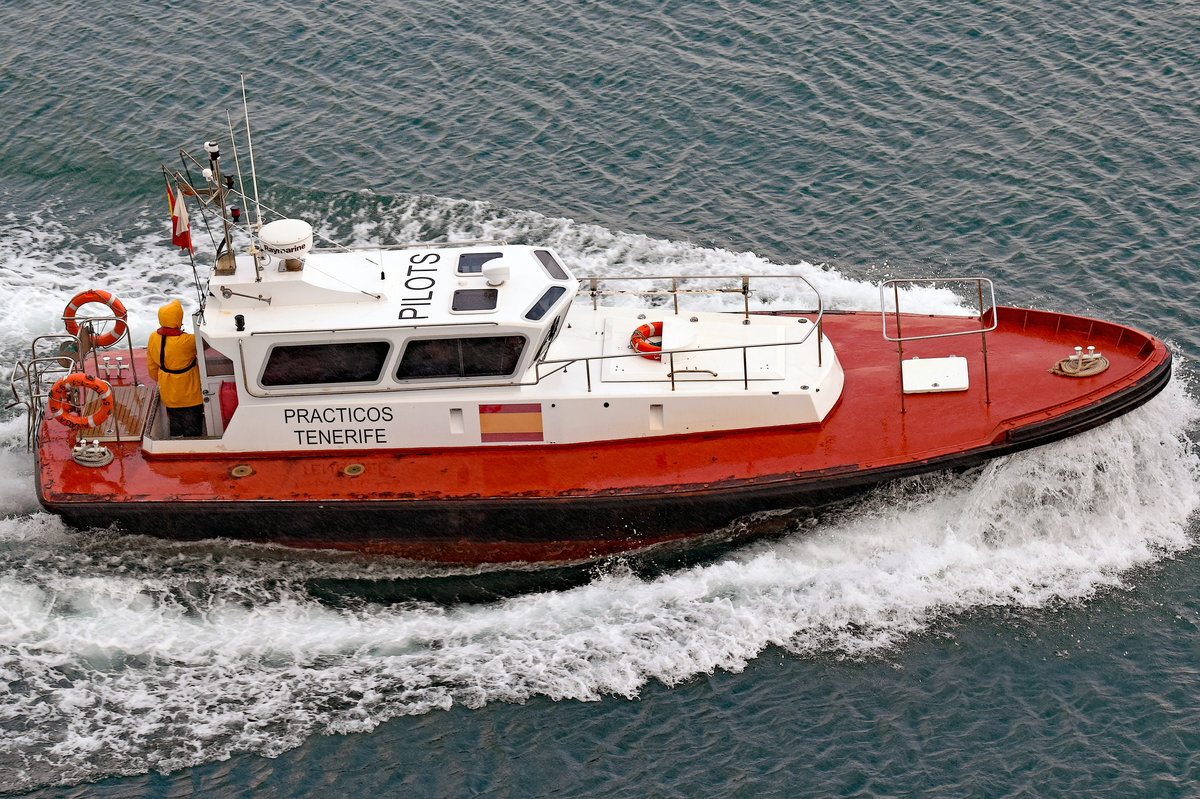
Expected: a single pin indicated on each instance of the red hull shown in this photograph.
(573, 502)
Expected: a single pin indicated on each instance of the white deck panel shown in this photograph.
(934, 375)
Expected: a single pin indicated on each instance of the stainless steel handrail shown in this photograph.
(422, 245)
(37, 372)
(900, 338)
(591, 286)
(895, 285)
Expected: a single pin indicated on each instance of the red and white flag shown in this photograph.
(181, 232)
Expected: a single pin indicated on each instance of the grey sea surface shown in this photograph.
(1024, 629)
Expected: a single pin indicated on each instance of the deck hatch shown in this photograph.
(934, 375)
(474, 300)
(471, 263)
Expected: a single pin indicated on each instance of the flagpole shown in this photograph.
(190, 249)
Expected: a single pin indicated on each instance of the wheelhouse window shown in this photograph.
(322, 364)
(484, 356)
(555, 327)
(552, 267)
(216, 364)
(471, 263)
(545, 303)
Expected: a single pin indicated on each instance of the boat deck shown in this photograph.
(130, 405)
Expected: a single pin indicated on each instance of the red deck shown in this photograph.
(634, 492)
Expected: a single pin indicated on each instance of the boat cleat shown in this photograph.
(91, 454)
(1081, 364)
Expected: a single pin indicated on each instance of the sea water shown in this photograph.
(1026, 628)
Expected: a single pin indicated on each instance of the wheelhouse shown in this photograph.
(386, 319)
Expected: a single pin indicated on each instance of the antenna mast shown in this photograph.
(250, 147)
(254, 182)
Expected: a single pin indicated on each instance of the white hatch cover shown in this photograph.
(931, 375)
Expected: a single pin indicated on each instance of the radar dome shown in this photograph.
(286, 238)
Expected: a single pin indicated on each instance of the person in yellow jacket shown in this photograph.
(171, 360)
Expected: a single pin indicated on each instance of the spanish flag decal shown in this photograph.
(499, 423)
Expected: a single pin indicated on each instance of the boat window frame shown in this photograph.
(491, 256)
(310, 386)
(493, 293)
(460, 378)
(556, 327)
(562, 292)
(551, 265)
(211, 357)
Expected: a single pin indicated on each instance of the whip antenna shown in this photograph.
(250, 147)
(237, 164)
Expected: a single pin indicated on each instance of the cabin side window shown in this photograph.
(552, 267)
(484, 356)
(321, 364)
(216, 364)
(545, 303)
(555, 327)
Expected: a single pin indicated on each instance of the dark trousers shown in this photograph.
(186, 422)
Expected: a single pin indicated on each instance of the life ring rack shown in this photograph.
(60, 400)
(101, 296)
(640, 340)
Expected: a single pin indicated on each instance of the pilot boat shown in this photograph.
(479, 402)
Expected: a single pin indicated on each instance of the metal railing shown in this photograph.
(420, 245)
(900, 338)
(592, 286)
(54, 356)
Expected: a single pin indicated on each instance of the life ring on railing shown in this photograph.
(97, 295)
(640, 340)
(60, 400)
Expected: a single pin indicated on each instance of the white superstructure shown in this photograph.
(462, 346)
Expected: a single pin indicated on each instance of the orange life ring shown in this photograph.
(97, 295)
(60, 400)
(640, 340)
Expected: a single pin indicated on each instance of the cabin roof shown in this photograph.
(373, 288)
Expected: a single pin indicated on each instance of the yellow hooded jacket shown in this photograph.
(171, 360)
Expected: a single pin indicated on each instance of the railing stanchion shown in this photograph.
(820, 337)
(987, 383)
(899, 344)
